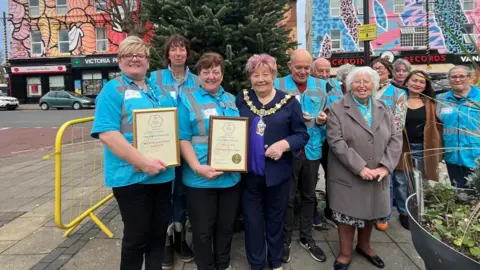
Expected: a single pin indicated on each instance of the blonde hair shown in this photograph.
(132, 44)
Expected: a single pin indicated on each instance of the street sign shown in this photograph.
(367, 32)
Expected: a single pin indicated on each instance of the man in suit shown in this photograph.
(313, 100)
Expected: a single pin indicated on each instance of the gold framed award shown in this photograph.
(155, 134)
(228, 143)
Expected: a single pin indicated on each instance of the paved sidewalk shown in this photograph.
(29, 238)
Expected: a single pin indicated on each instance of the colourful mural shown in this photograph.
(447, 13)
(81, 20)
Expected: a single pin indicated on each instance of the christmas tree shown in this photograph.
(235, 29)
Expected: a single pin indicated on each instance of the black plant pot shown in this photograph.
(435, 254)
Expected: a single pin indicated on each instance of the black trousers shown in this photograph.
(305, 175)
(458, 175)
(146, 212)
(212, 212)
(324, 161)
(264, 211)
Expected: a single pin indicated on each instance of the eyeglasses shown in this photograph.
(379, 68)
(130, 56)
(359, 82)
(458, 77)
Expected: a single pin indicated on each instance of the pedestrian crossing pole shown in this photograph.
(366, 46)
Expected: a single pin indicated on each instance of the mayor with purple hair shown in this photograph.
(277, 132)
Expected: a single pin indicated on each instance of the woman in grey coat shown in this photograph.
(365, 147)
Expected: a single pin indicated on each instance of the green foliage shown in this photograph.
(474, 177)
(236, 29)
(453, 217)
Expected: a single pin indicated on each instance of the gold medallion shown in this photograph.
(236, 158)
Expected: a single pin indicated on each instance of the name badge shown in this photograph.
(132, 94)
(210, 112)
(173, 94)
(447, 110)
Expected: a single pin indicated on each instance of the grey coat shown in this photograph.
(353, 146)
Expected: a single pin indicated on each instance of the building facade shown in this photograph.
(62, 45)
(401, 30)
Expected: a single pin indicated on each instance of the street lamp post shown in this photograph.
(366, 20)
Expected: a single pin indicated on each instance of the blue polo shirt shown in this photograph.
(116, 102)
(194, 111)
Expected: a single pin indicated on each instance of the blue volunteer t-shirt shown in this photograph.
(116, 101)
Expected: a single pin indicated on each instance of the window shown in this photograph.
(113, 75)
(431, 6)
(469, 34)
(57, 83)
(34, 9)
(413, 36)
(92, 83)
(398, 6)
(36, 42)
(100, 6)
(359, 5)
(334, 8)
(336, 39)
(34, 87)
(468, 5)
(62, 95)
(102, 42)
(63, 41)
(62, 7)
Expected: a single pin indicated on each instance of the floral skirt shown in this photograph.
(355, 222)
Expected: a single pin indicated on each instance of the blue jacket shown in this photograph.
(165, 80)
(461, 127)
(194, 111)
(287, 123)
(397, 99)
(113, 112)
(313, 100)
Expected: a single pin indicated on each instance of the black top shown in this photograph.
(415, 124)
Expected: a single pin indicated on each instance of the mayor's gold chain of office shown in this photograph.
(262, 112)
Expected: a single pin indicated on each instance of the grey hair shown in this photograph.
(465, 68)
(343, 71)
(401, 61)
(363, 70)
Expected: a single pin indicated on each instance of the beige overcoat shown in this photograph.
(353, 146)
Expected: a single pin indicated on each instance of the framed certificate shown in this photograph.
(228, 142)
(155, 134)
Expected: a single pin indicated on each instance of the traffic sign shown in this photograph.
(367, 32)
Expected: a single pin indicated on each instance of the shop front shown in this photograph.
(91, 73)
(30, 79)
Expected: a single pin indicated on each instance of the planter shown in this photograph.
(435, 254)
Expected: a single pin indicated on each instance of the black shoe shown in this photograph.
(168, 254)
(286, 253)
(182, 248)
(315, 251)
(404, 222)
(375, 260)
(340, 266)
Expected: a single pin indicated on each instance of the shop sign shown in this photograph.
(39, 69)
(95, 61)
(357, 61)
(469, 59)
(422, 59)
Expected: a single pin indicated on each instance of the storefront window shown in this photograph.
(113, 75)
(92, 83)
(34, 87)
(57, 83)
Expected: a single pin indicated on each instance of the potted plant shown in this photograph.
(445, 225)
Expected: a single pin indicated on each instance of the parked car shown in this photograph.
(64, 99)
(441, 86)
(9, 103)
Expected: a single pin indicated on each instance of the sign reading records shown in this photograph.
(95, 61)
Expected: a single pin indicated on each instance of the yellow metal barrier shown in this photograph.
(75, 188)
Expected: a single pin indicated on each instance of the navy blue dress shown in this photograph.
(265, 197)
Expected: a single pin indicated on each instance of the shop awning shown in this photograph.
(435, 68)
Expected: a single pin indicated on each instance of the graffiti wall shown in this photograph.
(80, 19)
(447, 17)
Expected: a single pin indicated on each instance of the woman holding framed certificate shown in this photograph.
(213, 196)
(141, 185)
(277, 132)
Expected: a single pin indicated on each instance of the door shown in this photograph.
(63, 99)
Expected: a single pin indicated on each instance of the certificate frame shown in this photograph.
(242, 155)
(170, 113)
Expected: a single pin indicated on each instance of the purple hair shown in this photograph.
(257, 60)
